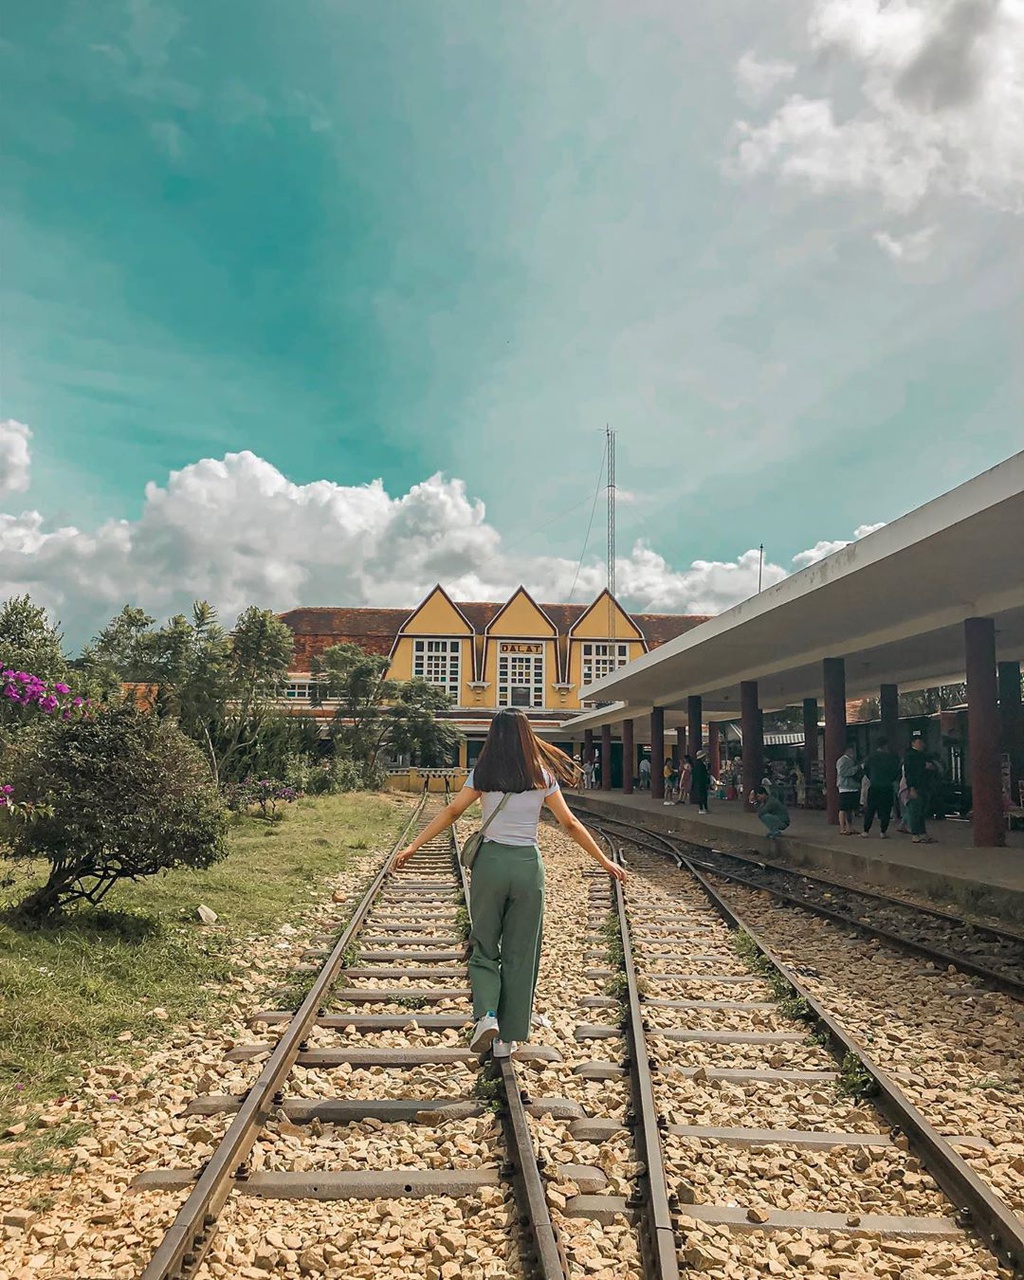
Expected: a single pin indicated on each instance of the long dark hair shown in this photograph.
(514, 759)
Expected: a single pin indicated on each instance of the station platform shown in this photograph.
(952, 870)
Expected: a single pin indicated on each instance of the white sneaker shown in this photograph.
(484, 1034)
(883, 835)
(503, 1048)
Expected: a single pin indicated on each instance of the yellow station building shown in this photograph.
(487, 655)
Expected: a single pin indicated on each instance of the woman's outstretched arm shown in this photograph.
(446, 818)
(578, 832)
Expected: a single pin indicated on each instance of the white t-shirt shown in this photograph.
(517, 822)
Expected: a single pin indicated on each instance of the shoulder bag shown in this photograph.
(471, 847)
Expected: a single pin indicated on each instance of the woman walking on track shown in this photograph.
(515, 777)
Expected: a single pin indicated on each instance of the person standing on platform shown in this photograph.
(700, 782)
(588, 775)
(882, 772)
(645, 774)
(685, 776)
(668, 773)
(772, 812)
(918, 771)
(848, 778)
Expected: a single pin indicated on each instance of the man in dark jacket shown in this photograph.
(918, 770)
(882, 770)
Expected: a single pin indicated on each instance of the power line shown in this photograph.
(546, 525)
(590, 523)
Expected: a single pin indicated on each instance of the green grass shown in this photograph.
(67, 992)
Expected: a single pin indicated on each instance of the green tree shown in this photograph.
(415, 725)
(124, 651)
(29, 642)
(258, 657)
(374, 716)
(925, 702)
(120, 795)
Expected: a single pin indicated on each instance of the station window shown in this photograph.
(299, 690)
(520, 680)
(437, 662)
(601, 659)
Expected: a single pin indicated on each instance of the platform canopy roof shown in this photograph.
(892, 605)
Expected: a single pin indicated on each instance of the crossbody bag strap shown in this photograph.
(501, 805)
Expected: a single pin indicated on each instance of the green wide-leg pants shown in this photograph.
(507, 905)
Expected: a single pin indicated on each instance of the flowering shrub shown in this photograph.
(267, 793)
(22, 696)
(21, 689)
(118, 794)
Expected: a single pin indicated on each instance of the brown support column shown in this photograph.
(588, 745)
(889, 700)
(606, 757)
(810, 738)
(753, 738)
(1011, 719)
(695, 727)
(983, 733)
(680, 747)
(714, 749)
(834, 679)
(628, 757)
(657, 753)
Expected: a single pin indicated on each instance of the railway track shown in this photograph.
(815, 1120)
(988, 952)
(406, 929)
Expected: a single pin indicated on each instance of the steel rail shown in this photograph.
(816, 877)
(1001, 981)
(979, 1206)
(544, 1256)
(190, 1235)
(657, 1236)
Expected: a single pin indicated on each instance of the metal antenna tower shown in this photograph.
(610, 434)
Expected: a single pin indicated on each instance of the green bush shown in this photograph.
(121, 794)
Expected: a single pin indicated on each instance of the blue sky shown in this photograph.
(778, 246)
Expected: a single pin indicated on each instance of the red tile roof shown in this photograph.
(316, 628)
(660, 628)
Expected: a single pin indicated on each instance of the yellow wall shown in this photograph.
(520, 620)
(436, 617)
(594, 627)
(594, 623)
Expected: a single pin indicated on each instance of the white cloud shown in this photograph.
(941, 107)
(235, 531)
(915, 247)
(822, 549)
(757, 79)
(15, 457)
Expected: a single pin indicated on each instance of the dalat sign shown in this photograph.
(515, 647)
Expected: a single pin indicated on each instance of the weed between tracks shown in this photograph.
(853, 1082)
(102, 982)
(488, 1090)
